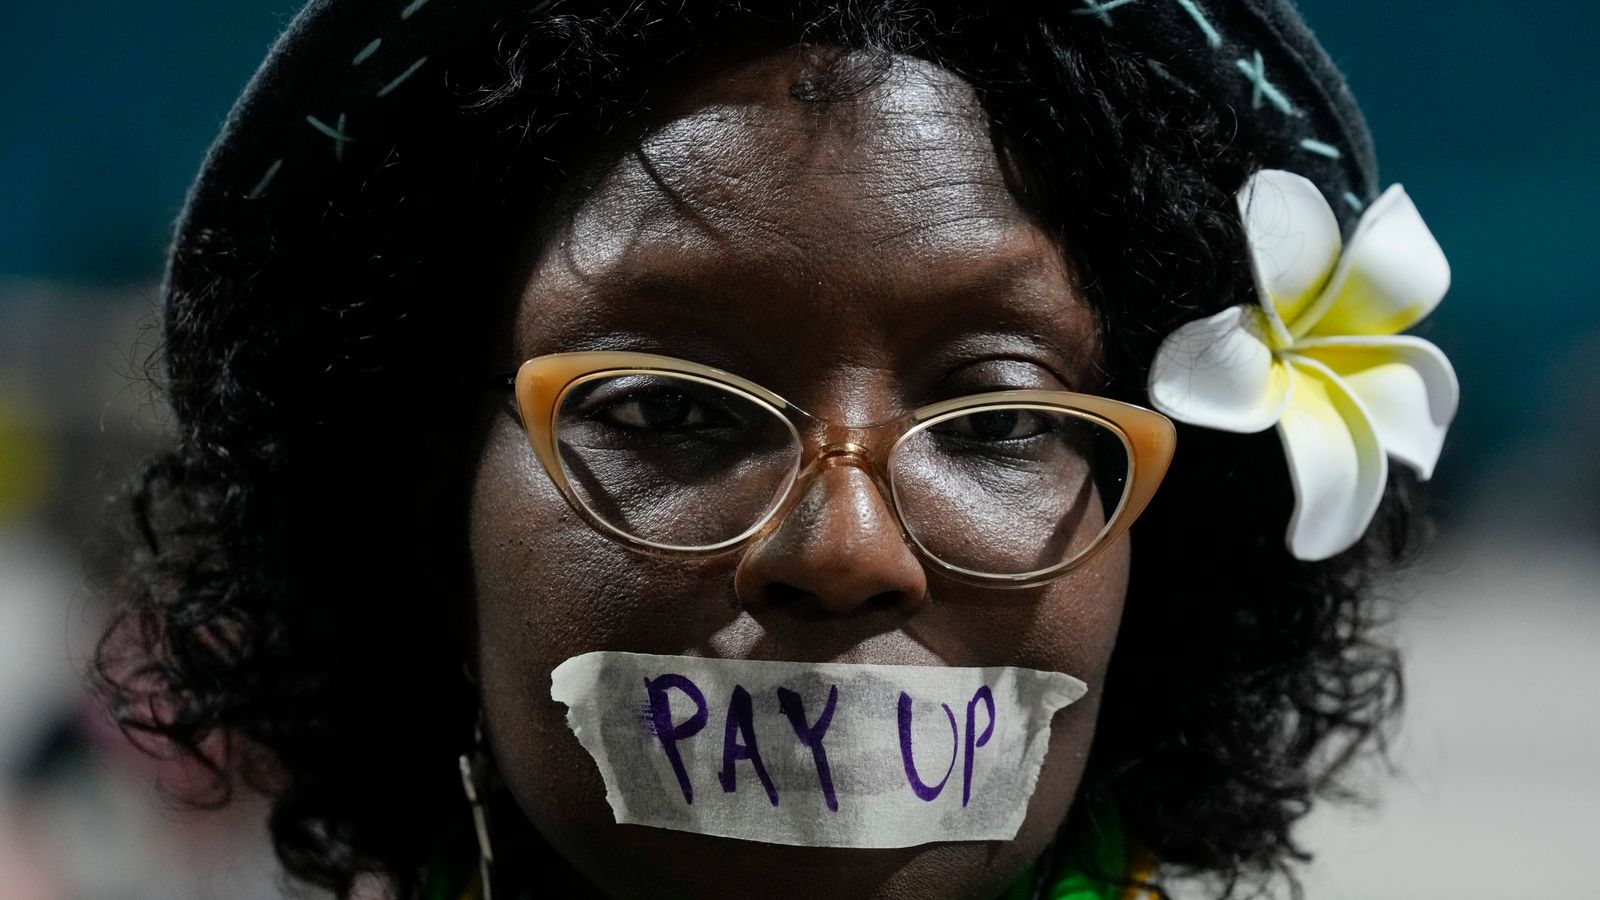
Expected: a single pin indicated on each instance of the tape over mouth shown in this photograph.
(814, 754)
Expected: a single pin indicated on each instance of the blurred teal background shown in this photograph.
(1487, 113)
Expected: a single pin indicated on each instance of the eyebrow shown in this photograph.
(1042, 316)
(1007, 276)
(960, 304)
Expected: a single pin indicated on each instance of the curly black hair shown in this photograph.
(286, 613)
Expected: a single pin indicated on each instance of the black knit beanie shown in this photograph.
(348, 75)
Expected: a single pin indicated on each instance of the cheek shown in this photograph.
(1072, 627)
(528, 611)
(548, 587)
(533, 583)
(1068, 625)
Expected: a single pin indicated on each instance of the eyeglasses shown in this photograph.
(1008, 488)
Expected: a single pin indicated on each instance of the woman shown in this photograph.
(408, 485)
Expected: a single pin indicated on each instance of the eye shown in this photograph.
(648, 413)
(655, 409)
(997, 425)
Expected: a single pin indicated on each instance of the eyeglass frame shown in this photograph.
(1149, 439)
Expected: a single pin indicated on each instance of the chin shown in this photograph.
(636, 862)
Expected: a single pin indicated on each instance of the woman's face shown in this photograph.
(860, 257)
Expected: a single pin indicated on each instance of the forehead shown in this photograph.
(872, 217)
(740, 152)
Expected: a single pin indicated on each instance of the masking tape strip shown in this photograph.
(813, 754)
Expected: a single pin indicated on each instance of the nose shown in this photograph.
(837, 551)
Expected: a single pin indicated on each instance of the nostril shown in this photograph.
(886, 600)
(782, 594)
(797, 600)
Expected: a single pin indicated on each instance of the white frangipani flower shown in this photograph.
(1320, 356)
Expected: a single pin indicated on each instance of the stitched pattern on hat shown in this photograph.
(1100, 10)
(1315, 146)
(335, 131)
(1213, 37)
(367, 51)
(1253, 70)
(266, 179)
(401, 78)
(1256, 72)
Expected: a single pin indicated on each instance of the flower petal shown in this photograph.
(1392, 274)
(1294, 240)
(1217, 372)
(1405, 383)
(1335, 461)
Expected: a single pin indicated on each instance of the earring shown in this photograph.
(473, 764)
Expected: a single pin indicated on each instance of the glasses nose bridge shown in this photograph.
(844, 453)
(864, 446)
(827, 444)
(834, 439)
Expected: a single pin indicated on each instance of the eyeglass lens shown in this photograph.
(682, 462)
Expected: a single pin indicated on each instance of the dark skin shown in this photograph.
(861, 257)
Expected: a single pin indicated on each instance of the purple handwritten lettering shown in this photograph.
(923, 791)
(670, 734)
(811, 735)
(739, 723)
(987, 696)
